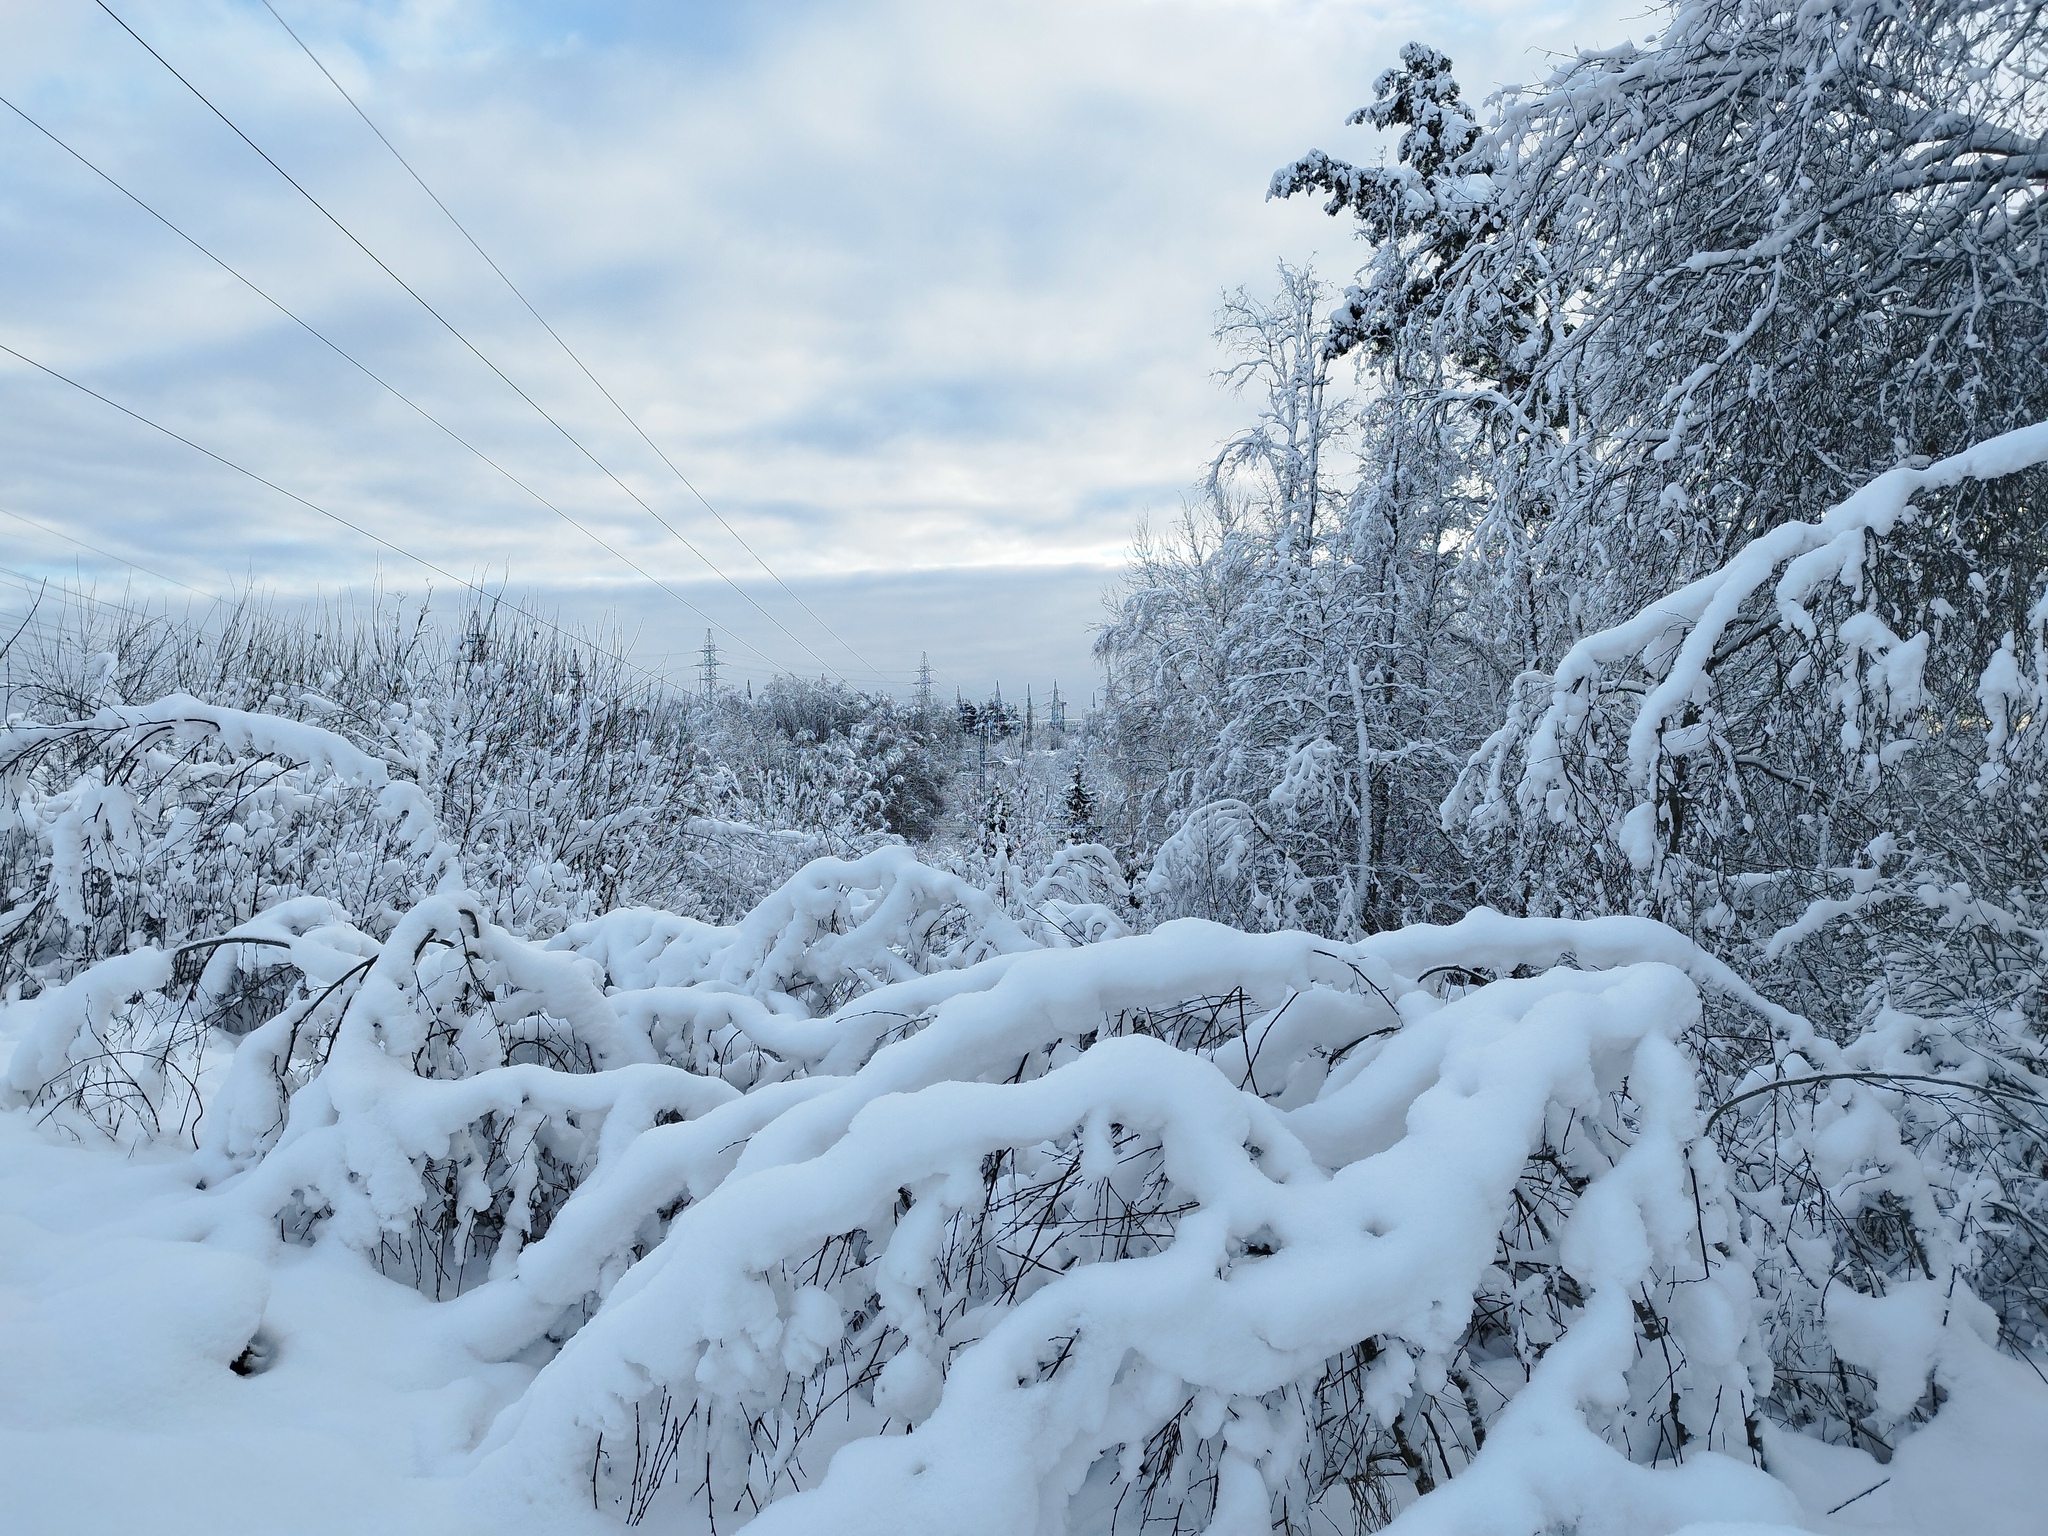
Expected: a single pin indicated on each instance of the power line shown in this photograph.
(107, 554)
(334, 517)
(450, 327)
(567, 350)
(31, 583)
(377, 378)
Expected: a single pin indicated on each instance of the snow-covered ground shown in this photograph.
(119, 1409)
(1038, 1238)
(119, 1413)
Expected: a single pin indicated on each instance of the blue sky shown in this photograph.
(918, 294)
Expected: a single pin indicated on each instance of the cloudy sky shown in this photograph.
(917, 294)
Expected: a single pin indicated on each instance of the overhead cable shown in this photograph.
(377, 378)
(567, 350)
(107, 554)
(473, 349)
(333, 517)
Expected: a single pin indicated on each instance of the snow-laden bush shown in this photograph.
(873, 1211)
(141, 831)
(564, 779)
(1826, 759)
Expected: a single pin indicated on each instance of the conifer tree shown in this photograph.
(1080, 809)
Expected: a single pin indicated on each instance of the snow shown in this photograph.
(1977, 1467)
(1802, 557)
(249, 1328)
(118, 1412)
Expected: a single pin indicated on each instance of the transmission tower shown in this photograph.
(707, 667)
(924, 683)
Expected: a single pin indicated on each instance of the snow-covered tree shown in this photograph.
(1293, 661)
(1079, 807)
(1690, 289)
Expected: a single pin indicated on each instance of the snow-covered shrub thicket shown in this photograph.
(882, 1208)
(1852, 812)
(564, 783)
(1025, 831)
(870, 1211)
(141, 828)
(818, 756)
